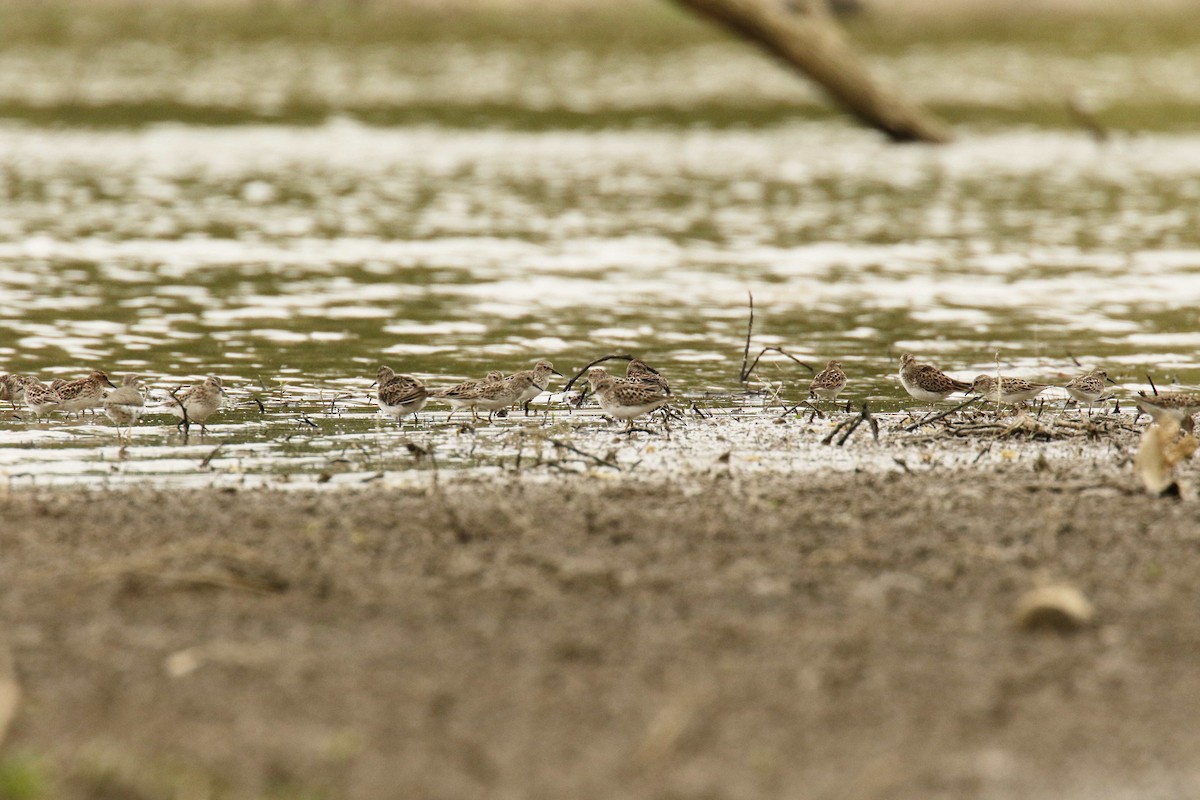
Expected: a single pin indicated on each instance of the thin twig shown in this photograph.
(184, 423)
(927, 420)
(578, 375)
(871, 421)
(1086, 118)
(585, 454)
(853, 426)
(782, 352)
(816, 411)
(745, 373)
(208, 458)
(838, 429)
(864, 416)
(628, 431)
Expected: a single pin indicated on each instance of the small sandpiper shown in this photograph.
(624, 399)
(466, 394)
(399, 394)
(926, 382)
(9, 389)
(640, 371)
(85, 393)
(40, 398)
(1089, 387)
(828, 383)
(124, 406)
(1181, 406)
(1010, 392)
(200, 402)
(492, 397)
(16, 388)
(534, 382)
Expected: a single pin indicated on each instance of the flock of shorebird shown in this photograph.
(124, 404)
(640, 391)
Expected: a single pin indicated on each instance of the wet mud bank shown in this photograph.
(837, 635)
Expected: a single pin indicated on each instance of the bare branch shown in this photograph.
(803, 35)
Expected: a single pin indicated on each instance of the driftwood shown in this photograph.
(804, 35)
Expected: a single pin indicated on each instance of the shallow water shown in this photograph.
(293, 260)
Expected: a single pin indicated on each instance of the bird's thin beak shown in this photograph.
(110, 383)
(559, 374)
(1110, 380)
(372, 384)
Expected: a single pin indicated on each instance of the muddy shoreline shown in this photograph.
(840, 635)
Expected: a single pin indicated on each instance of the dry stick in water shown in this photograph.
(927, 420)
(602, 462)
(747, 365)
(745, 373)
(629, 431)
(185, 423)
(782, 352)
(580, 374)
(208, 458)
(816, 411)
(1085, 118)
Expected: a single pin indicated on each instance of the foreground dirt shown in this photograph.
(847, 637)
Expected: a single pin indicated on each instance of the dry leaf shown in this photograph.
(1162, 448)
(1059, 607)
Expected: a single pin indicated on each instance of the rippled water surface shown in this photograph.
(311, 255)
